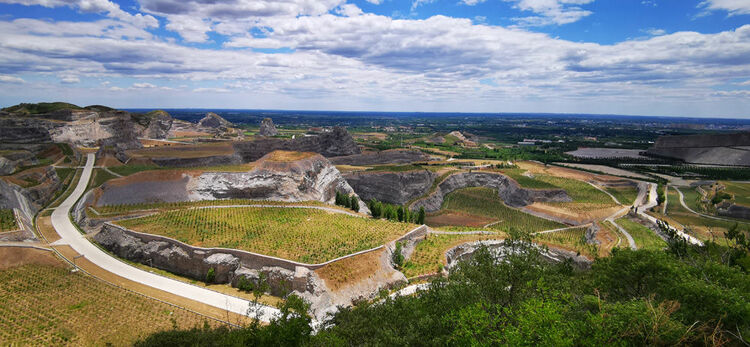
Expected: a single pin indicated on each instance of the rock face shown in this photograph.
(214, 121)
(719, 149)
(194, 262)
(508, 190)
(735, 211)
(29, 200)
(6, 166)
(394, 156)
(267, 128)
(391, 187)
(156, 124)
(335, 143)
(308, 177)
(499, 250)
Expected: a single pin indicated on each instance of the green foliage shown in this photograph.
(720, 196)
(643, 297)
(99, 177)
(354, 202)
(420, 216)
(7, 220)
(398, 256)
(42, 107)
(127, 170)
(210, 275)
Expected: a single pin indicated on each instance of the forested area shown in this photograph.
(686, 295)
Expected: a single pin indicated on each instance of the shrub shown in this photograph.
(210, 275)
(398, 256)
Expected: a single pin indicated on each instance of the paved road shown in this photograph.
(651, 203)
(620, 213)
(71, 236)
(682, 202)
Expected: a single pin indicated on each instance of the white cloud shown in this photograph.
(375, 2)
(69, 79)
(654, 31)
(734, 7)
(417, 3)
(11, 79)
(551, 12)
(211, 90)
(94, 6)
(472, 2)
(143, 85)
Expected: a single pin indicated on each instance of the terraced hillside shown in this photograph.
(304, 235)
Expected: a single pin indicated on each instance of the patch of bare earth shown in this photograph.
(457, 219)
(184, 151)
(575, 212)
(342, 273)
(16, 256)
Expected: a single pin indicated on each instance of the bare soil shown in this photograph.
(16, 256)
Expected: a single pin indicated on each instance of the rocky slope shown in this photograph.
(298, 177)
(267, 128)
(156, 124)
(718, 149)
(335, 143)
(394, 156)
(214, 121)
(391, 187)
(508, 190)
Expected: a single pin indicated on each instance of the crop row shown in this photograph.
(110, 210)
(305, 235)
(49, 305)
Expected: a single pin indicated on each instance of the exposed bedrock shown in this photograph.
(312, 178)
(508, 190)
(735, 211)
(391, 187)
(24, 130)
(28, 201)
(228, 265)
(394, 156)
(500, 249)
(336, 143)
(718, 149)
(267, 128)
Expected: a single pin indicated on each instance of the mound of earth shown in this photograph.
(267, 128)
(716, 149)
(278, 176)
(391, 187)
(508, 190)
(393, 156)
(214, 121)
(337, 142)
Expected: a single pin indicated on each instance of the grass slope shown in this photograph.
(7, 220)
(644, 238)
(485, 202)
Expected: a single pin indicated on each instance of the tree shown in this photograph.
(398, 256)
(346, 201)
(355, 204)
(400, 213)
(420, 216)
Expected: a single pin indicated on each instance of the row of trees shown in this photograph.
(348, 201)
(398, 213)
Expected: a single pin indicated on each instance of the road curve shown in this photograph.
(71, 236)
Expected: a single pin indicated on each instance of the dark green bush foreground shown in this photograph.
(681, 296)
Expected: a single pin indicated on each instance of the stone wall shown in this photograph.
(229, 264)
(508, 190)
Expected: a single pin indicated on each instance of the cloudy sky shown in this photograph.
(643, 57)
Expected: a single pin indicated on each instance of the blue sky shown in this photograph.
(643, 57)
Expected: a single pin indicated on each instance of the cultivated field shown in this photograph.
(183, 151)
(7, 220)
(740, 191)
(43, 303)
(305, 235)
(625, 195)
(569, 239)
(116, 210)
(644, 237)
(698, 226)
(474, 206)
(429, 255)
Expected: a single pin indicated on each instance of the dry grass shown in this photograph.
(183, 151)
(44, 226)
(17, 256)
(454, 218)
(287, 156)
(33, 311)
(340, 274)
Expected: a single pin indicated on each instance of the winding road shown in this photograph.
(71, 236)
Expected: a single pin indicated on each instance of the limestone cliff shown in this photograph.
(278, 176)
(394, 156)
(335, 143)
(214, 121)
(267, 128)
(391, 187)
(508, 190)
